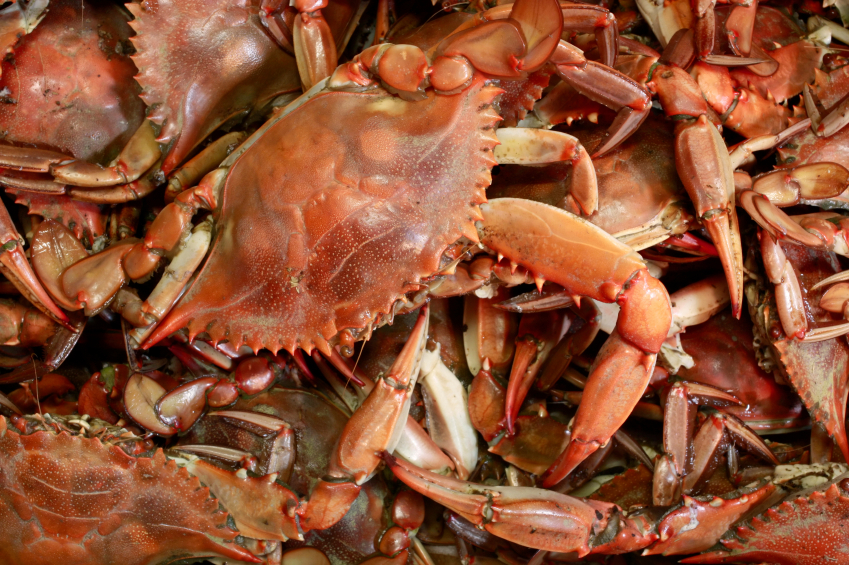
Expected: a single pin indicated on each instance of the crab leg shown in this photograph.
(528, 516)
(488, 333)
(580, 18)
(762, 195)
(686, 460)
(607, 86)
(710, 184)
(94, 281)
(140, 153)
(528, 146)
(372, 429)
(555, 245)
(315, 48)
(538, 333)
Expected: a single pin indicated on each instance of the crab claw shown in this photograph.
(705, 169)
(538, 333)
(16, 268)
(560, 247)
(527, 516)
(374, 426)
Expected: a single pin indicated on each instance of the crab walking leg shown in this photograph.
(686, 459)
(558, 246)
(528, 146)
(762, 196)
(139, 155)
(16, 268)
(529, 516)
(607, 86)
(376, 426)
(174, 280)
(580, 18)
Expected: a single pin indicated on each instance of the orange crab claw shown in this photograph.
(531, 234)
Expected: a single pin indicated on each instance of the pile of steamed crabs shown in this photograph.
(342, 282)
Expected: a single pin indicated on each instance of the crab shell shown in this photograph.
(87, 102)
(724, 357)
(818, 371)
(78, 501)
(334, 210)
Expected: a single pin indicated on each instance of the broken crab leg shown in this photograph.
(698, 302)
(552, 243)
(139, 155)
(16, 268)
(739, 28)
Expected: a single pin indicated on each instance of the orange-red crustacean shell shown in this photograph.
(332, 212)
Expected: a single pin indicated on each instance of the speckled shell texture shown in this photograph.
(70, 500)
(335, 211)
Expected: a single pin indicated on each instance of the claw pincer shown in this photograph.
(558, 246)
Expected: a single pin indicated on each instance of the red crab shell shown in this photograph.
(220, 62)
(805, 529)
(75, 501)
(725, 358)
(333, 211)
(69, 85)
(817, 371)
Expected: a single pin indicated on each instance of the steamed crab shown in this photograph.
(405, 185)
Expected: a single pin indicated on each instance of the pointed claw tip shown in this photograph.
(576, 452)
